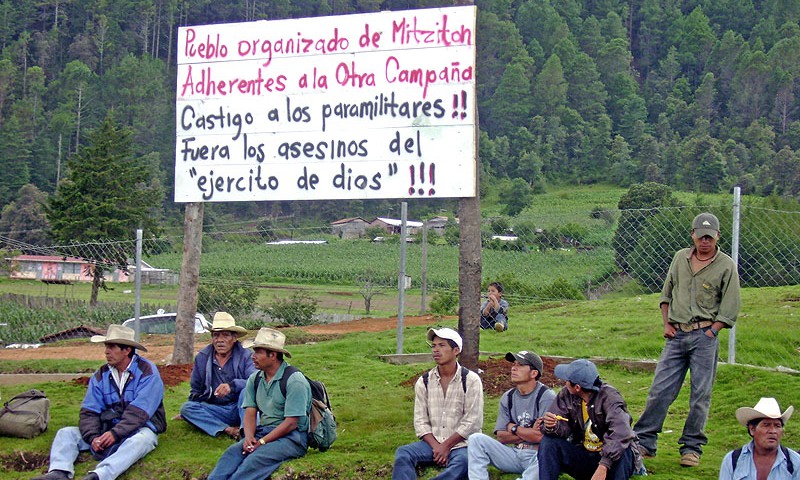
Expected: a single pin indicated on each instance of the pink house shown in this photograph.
(58, 269)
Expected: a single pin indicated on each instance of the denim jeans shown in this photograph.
(263, 461)
(213, 418)
(688, 351)
(557, 455)
(484, 450)
(68, 444)
(407, 457)
(487, 323)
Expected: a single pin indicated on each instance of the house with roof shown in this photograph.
(349, 228)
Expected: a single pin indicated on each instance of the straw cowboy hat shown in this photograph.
(270, 339)
(224, 322)
(767, 407)
(119, 335)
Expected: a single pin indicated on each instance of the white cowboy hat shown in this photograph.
(767, 407)
(270, 339)
(224, 322)
(119, 335)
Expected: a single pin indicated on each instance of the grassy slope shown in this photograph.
(375, 411)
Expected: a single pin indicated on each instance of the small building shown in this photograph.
(392, 226)
(349, 228)
(438, 225)
(59, 269)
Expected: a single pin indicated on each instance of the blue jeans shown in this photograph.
(693, 351)
(407, 457)
(557, 455)
(68, 444)
(263, 461)
(213, 418)
(484, 450)
(487, 323)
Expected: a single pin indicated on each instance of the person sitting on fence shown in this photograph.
(494, 311)
(763, 457)
(121, 414)
(219, 375)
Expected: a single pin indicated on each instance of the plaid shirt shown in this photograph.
(459, 412)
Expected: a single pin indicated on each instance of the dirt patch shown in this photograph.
(24, 461)
(171, 375)
(372, 324)
(496, 375)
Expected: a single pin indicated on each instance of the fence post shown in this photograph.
(737, 204)
(401, 280)
(137, 303)
(423, 280)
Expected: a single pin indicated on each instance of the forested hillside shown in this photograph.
(699, 94)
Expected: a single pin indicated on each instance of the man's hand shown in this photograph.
(222, 390)
(600, 473)
(103, 441)
(549, 419)
(249, 446)
(440, 454)
(669, 330)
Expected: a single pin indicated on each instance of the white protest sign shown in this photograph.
(377, 105)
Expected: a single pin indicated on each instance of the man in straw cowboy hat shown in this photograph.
(280, 433)
(763, 458)
(121, 414)
(219, 375)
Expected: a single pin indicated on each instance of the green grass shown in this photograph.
(375, 412)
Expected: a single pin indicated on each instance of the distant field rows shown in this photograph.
(346, 261)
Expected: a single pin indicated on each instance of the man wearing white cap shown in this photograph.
(763, 458)
(121, 414)
(448, 408)
(700, 297)
(517, 429)
(280, 433)
(587, 429)
(219, 375)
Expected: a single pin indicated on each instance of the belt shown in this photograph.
(693, 325)
(526, 446)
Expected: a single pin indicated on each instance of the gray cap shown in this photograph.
(705, 224)
(526, 358)
(580, 372)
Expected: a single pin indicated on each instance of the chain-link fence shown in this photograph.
(264, 271)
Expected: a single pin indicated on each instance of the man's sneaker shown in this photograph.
(499, 327)
(690, 459)
(90, 476)
(53, 475)
(645, 453)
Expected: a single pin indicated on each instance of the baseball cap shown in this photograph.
(446, 333)
(705, 224)
(580, 372)
(526, 358)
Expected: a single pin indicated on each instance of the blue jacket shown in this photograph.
(202, 389)
(141, 403)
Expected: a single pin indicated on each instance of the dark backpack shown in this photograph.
(464, 373)
(738, 452)
(542, 388)
(321, 421)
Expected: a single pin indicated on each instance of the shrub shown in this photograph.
(298, 310)
(234, 298)
(445, 302)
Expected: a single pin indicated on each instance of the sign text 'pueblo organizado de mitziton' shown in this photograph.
(366, 106)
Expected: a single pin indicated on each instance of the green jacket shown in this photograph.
(710, 294)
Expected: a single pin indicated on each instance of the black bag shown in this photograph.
(26, 415)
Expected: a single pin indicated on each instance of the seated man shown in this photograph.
(448, 408)
(763, 457)
(518, 423)
(587, 429)
(494, 311)
(281, 432)
(121, 414)
(218, 378)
